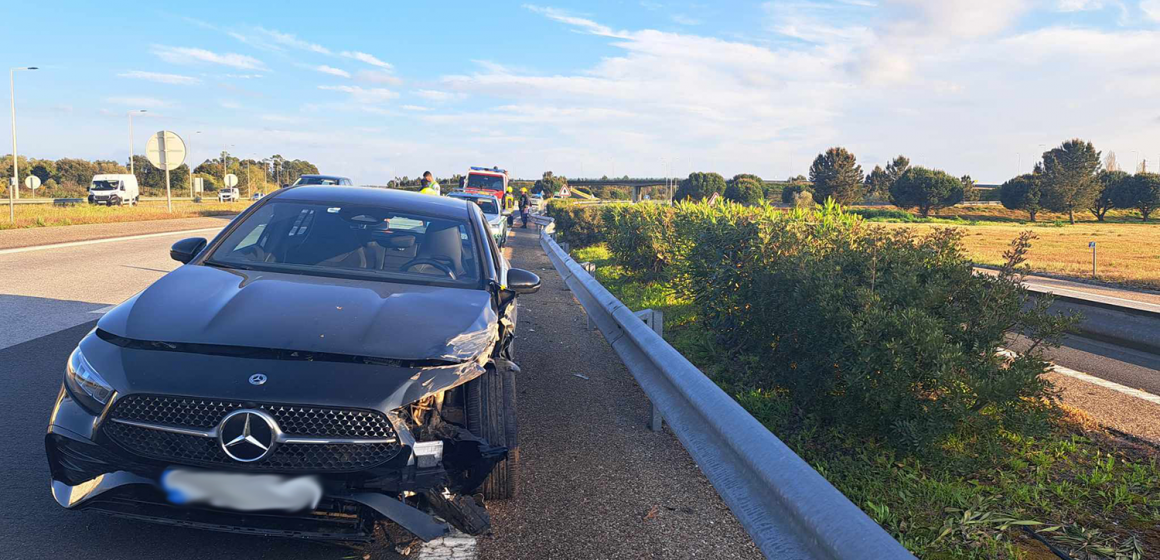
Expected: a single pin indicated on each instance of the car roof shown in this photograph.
(461, 194)
(406, 201)
(324, 176)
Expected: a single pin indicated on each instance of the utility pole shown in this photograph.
(132, 171)
(190, 157)
(14, 189)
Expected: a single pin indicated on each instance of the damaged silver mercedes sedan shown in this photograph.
(336, 356)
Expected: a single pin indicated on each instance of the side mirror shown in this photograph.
(521, 281)
(183, 251)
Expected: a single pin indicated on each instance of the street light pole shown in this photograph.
(14, 188)
(190, 156)
(132, 170)
(15, 157)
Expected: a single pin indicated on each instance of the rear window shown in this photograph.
(352, 240)
(320, 181)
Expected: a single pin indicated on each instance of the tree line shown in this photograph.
(1071, 178)
(71, 177)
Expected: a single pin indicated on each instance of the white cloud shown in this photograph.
(367, 58)
(290, 40)
(229, 104)
(332, 71)
(364, 95)
(138, 102)
(174, 79)
(563, 16)
(685, 20)
(378, 77)
(436, 95)
(1151, 9)
(187, 55)
(1078, 5)
(415, 108)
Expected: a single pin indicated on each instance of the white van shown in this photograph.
(114, 189)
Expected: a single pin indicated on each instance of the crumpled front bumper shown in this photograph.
(89, 473)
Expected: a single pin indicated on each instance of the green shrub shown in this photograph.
(878, 331)
(579, 224)
(789, 191)
(638, 237)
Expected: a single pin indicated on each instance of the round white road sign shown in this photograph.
(32, 182)
(165, 150)
(231, 180)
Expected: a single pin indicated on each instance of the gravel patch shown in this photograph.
(595, 482)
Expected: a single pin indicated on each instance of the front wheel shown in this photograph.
(491, 415)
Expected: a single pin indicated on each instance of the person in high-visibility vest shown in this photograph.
(525, 204)
(430, 185)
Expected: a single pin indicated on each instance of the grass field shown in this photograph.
(1086, 491)
(46, 215)
(1126, 253)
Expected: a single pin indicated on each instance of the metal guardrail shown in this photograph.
(788, 509)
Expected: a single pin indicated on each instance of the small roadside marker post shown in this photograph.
(1092, 244)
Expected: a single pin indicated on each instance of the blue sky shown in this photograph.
(976, 87)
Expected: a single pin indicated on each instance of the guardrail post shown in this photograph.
(566, 248)
(590, 268)
(656, 321)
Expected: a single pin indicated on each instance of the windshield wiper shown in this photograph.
(237, 266)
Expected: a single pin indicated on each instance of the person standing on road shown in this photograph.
(525, 206)
(430, 186)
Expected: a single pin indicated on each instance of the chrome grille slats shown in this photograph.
(301, 421)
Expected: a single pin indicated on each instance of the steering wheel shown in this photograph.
(442, 267)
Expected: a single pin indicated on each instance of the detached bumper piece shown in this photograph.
(347, 517)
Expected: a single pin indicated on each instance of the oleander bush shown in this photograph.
(883, 332)
(578, 224)
(639, 237)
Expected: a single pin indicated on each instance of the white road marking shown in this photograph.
(1154, 399)
(1090, 295)
(104, 310)
(107, 240)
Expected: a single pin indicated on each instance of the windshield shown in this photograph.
(352, 240)
(106, 185)
(304, 180)
(491, 182)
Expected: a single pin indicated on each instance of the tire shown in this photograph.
(114, 201)
(491, 415)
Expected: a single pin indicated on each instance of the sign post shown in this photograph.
(166, 151)
(1092, 244)
(32, 182)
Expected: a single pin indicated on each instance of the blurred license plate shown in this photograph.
(242, 492)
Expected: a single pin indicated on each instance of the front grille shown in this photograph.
(294, 421)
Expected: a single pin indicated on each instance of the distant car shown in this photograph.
(491, 210)
(114, 189)
(229, 195)
(257, 196)
(322, 180)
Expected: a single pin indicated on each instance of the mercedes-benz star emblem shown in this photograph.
(257, 379)
(247, 435)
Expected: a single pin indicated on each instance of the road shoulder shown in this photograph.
(595, 482)
(31, 237)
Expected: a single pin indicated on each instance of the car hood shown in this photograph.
(205, 305)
